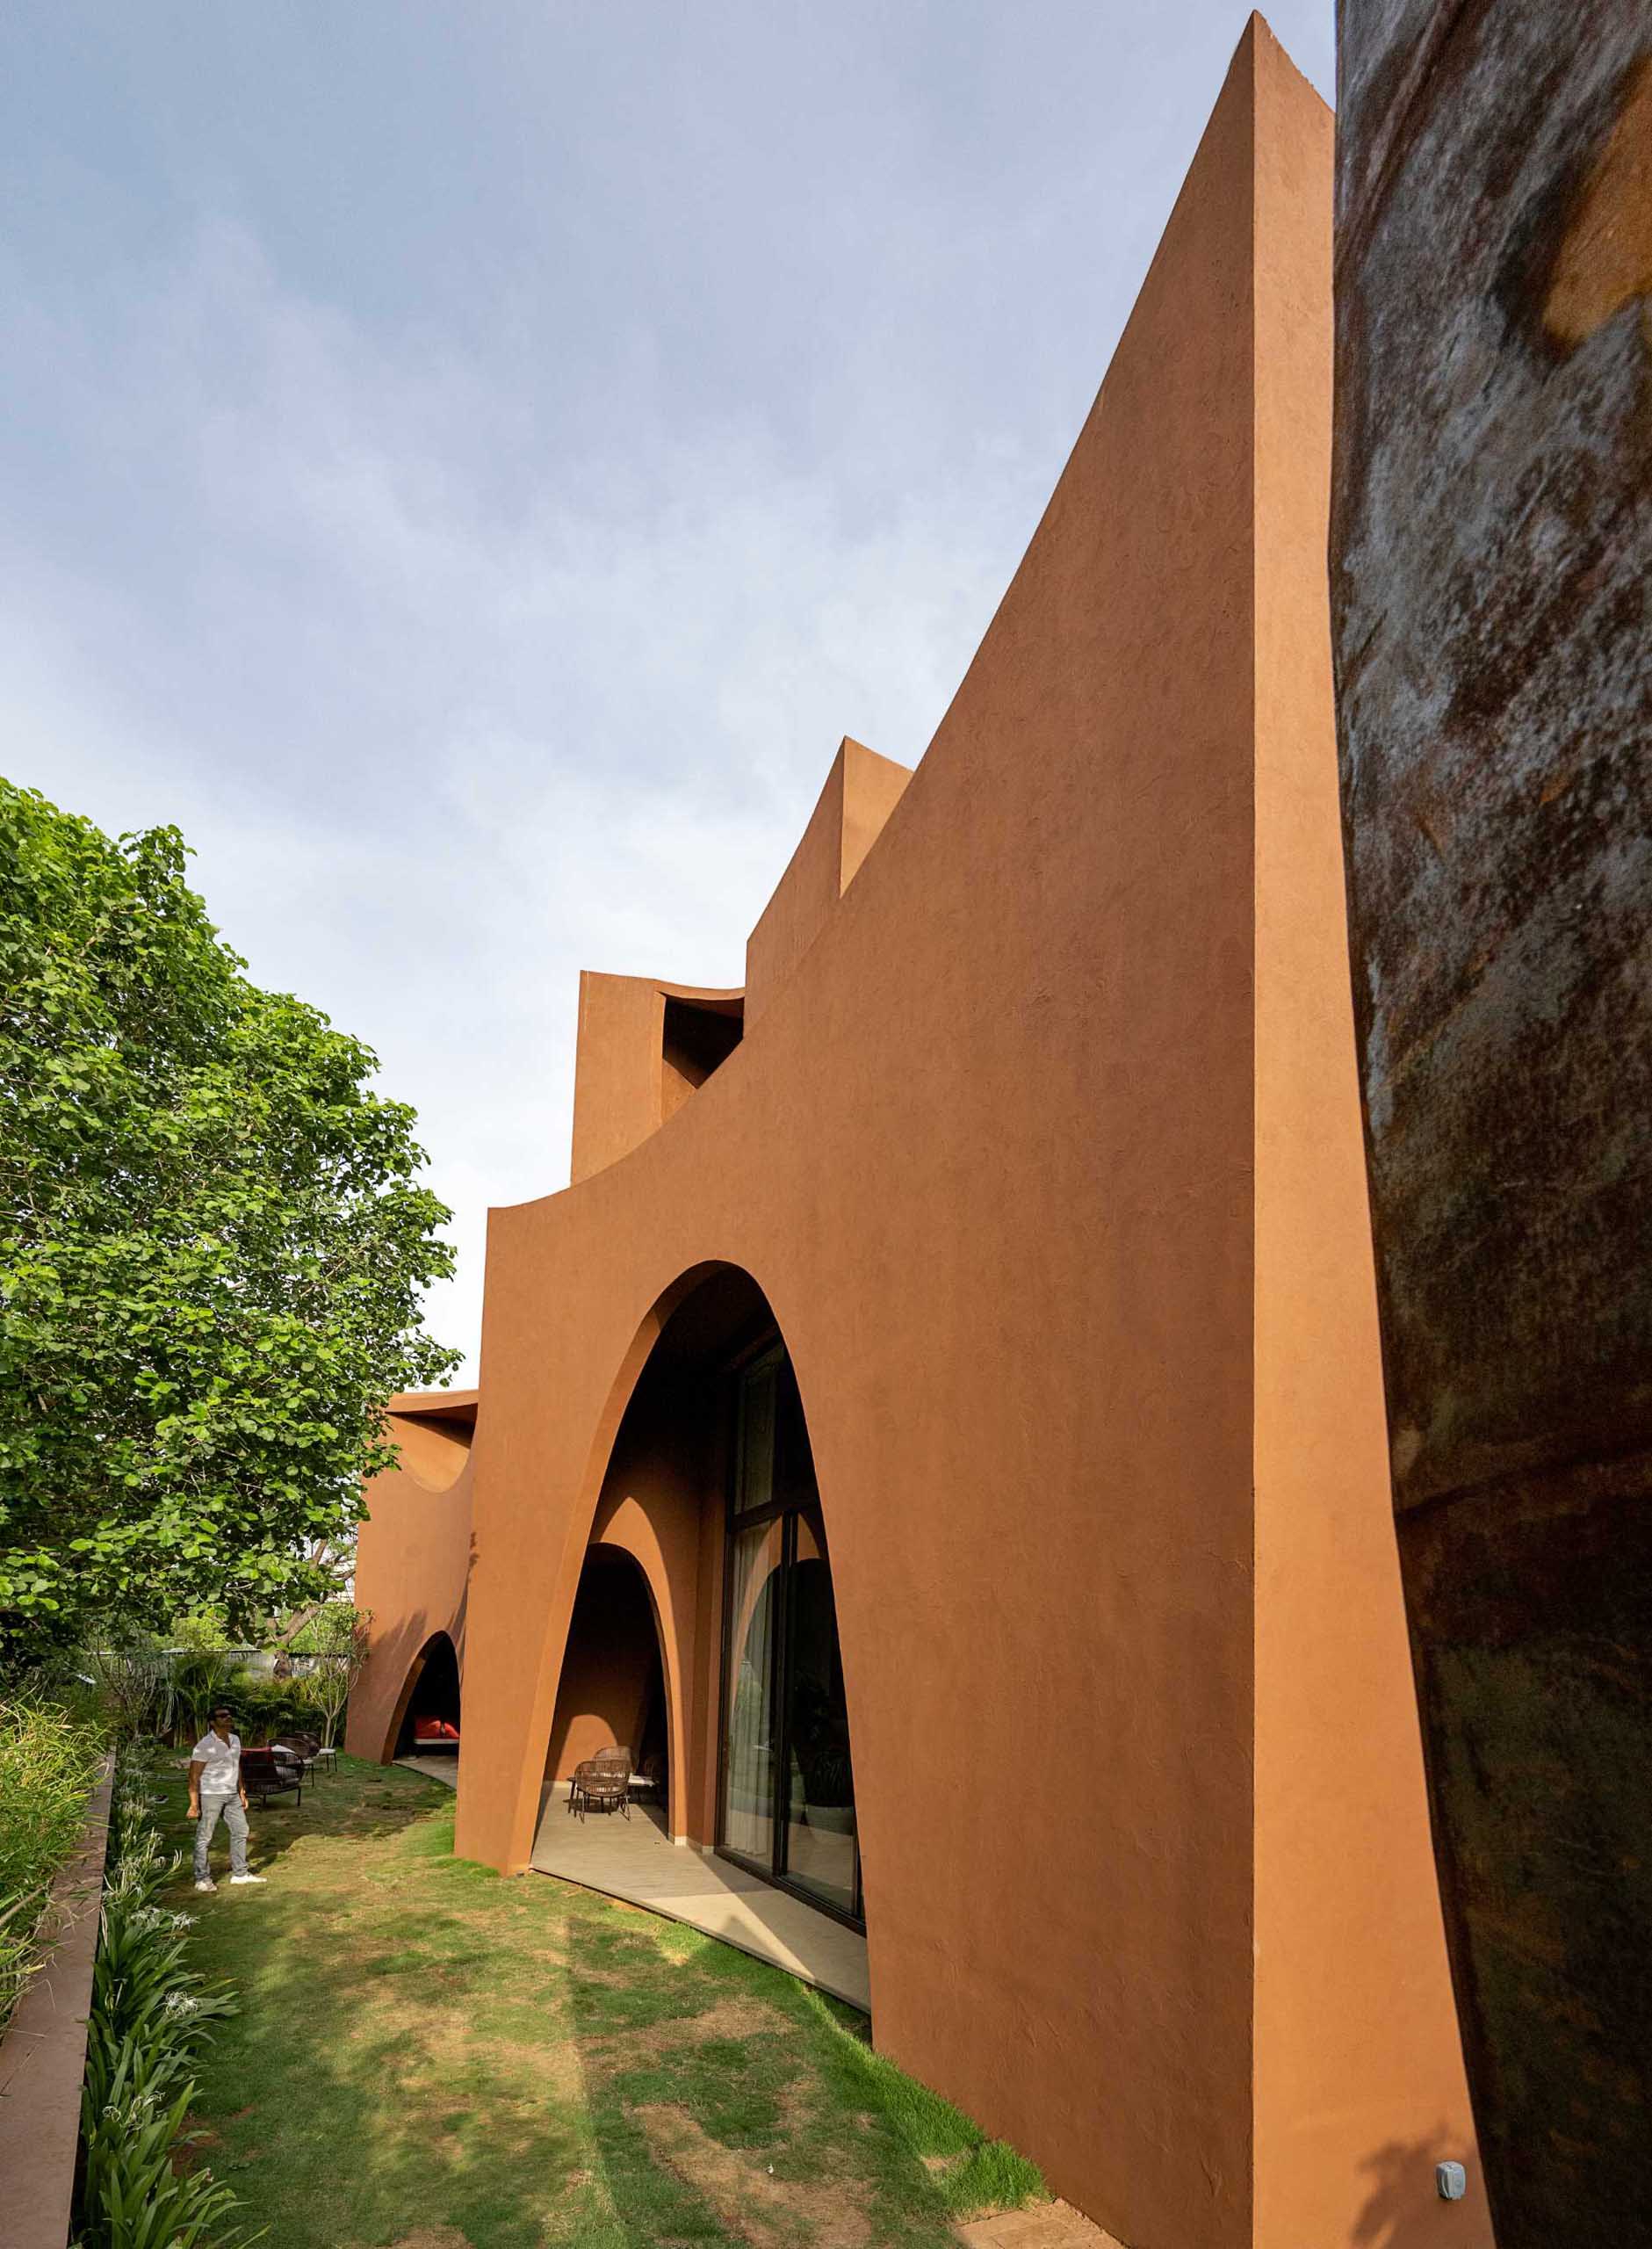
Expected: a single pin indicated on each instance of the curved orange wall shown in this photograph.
(1045, 1154)
(412, 1565)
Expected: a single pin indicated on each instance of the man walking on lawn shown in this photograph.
(215, 1786)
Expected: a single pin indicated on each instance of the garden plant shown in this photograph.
(151, 2015)
(337, 1637)
(49, 1763)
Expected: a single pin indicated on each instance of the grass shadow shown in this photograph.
(428, 2054)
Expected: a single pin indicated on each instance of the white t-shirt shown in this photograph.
(220, 1763)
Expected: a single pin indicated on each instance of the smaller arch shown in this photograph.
(616, 1684)
(432, 1690)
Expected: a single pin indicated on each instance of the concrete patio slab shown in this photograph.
(634, 1860)
(442, 1767)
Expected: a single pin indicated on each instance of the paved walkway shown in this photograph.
(443, 1765)
(636, 1860)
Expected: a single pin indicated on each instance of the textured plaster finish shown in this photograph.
(1338, 1745)
(1491, 553)
(861, 792)
(1044, 1153)
(413, 1561)
(622, 1090)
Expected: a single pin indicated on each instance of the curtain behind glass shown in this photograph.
(760, 1393)
(748, 1772)
(821, 1839)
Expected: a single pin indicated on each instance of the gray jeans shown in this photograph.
(234, 1819)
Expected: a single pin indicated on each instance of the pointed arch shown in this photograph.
(658, 1485)
(435, 1670)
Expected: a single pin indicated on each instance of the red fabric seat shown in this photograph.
(434, 1730)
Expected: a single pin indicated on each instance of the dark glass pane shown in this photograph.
(820, 1783)
(748, 1764)
(759, 1399)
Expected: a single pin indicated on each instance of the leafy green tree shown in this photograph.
(200, 1631)
(213, 1248)
(338, 1637)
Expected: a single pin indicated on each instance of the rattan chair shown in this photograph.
(601, 1784)
(271, 1772)
(306, 1747)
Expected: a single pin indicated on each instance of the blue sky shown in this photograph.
(467, 465)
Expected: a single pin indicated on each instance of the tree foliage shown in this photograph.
(337, 1636)
(214, 1247)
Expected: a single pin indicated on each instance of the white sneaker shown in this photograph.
(246, 1878)
(207, 1885)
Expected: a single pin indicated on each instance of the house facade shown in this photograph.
(941, 1425)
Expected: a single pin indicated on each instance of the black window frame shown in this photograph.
(787, 1501)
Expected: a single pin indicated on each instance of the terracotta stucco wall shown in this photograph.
(413, 1564)
(987, 1152)
(626, 1084)
(661, 1504)
(861, 792)
(1355, 2101)
(872, 787)
(619, 1060)
(1049, 1188)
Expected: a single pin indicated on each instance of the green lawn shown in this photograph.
(430, 2057)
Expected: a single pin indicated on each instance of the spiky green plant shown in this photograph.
(150, 2014)
(48, 1766)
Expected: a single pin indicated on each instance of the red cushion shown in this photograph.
(434, 1730)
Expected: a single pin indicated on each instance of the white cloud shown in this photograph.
(432, 764)
(470, 486)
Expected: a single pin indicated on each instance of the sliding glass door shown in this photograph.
(788, 1789)
(751, 1724)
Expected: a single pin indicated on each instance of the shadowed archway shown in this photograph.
(427, 1715)
(612, 1690)
(708, 1555)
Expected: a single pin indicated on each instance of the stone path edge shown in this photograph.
(43, 2057)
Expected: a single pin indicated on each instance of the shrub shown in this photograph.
(199, 1681)
(48, 1765)
(203, 1631)
(133, 1674)
(149, 2014)
(267, 1708)
(338, 1637)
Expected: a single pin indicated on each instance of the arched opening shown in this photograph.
(709, 1488)
(612, 1690)
(429, 1722)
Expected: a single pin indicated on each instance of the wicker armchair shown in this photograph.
(602, 1785)
(271, 1772)
(305, 1746)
